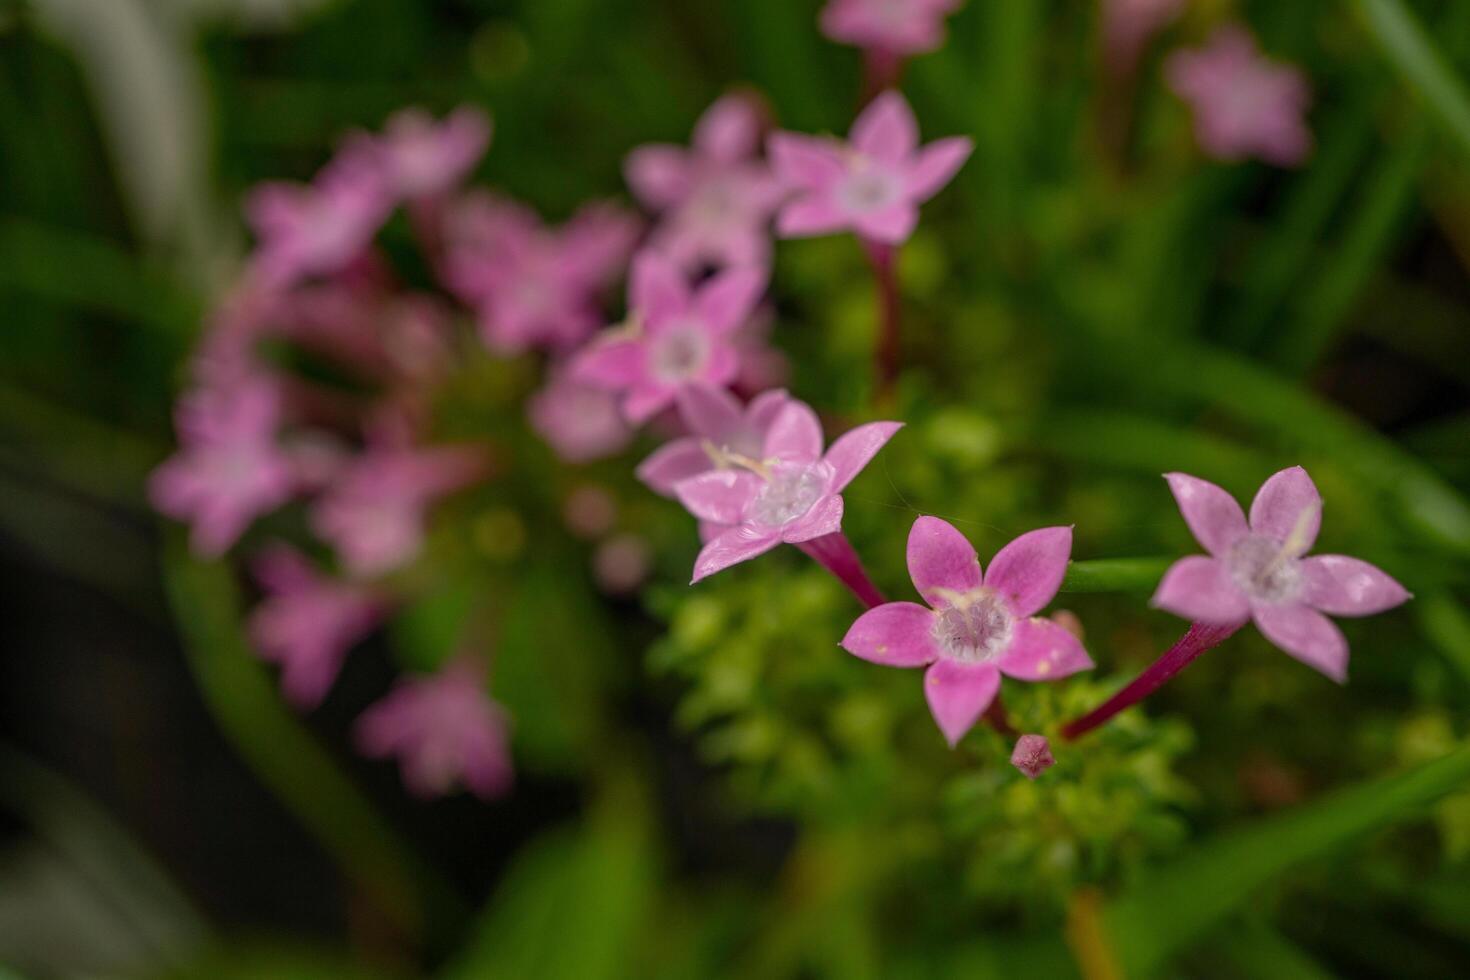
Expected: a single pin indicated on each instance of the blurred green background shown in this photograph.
(706, 788)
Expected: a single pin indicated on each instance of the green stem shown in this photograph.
(1411, 52)
(1115, 574)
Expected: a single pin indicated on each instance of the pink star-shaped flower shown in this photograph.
(978, 625)
(229, 467)
(422, 157)
(445, 732)
(793, 493)
(872, 185)
(1257, 570)
(899, 27)
(1244, 104)
(307, 622)
(717, 197)
(676, 336)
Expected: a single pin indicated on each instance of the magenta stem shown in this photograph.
(835, 553)
(884, 259)
(882, 70)
(1199, 638)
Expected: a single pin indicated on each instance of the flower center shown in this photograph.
(790, 492)
(975, 627)
(869, 188)
(679, 354)
(1264, 569)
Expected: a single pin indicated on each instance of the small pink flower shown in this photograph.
(422, 157)
(675, 336)
(373, 514)
(307, 623)
(1257, 570)
(716, 197)
(1032, 755)
(872, 185)
(622, 563)
(319, 228)
(977, 626)
(719, 430)
(1245, 105)
(444, 730)
(793, 493)
(1127, 25)
(898, 27)
(581, 423)
(229, 468)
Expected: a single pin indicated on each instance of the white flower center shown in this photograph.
(790, 492)
(1264, 569)
(975, 627)
(679, 354)
(869, 188)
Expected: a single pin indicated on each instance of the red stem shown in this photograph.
(884, 258)
(882, 70)
(1199, 638)
(835, 553)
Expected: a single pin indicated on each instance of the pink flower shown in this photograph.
(534, 286)
(421, 157)
(229, 467)
(308, 622)
(791, 494)
(318, 228)
(872, 185)
(717, 197)
(1257, 570)
(1244, 104)
(444, 730)
(719, 430)
(373, 514)
(675, 336)
(1032, 755)
(581, 423)
(622, 563)
(977, 626)
(1127, 25)
(898, 27)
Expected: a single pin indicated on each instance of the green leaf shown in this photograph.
(1412, 53)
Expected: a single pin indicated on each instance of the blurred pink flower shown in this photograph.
(423, 157)
(676, 336)
(791, 494)
(622, 563)
(717, 197)
(229, 468)
(896, 27)
(977, 626)
(762, 366)
(719, 430)
(872, 185)
(374, 512)
(580, 422)
(445, 732)
(1245, 105)
(1032, 755)
(534, 286)
(307, 622)
(1127, 26)
(1257, 570)
(590, 511)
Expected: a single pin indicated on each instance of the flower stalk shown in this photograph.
(886, 355)
(837, 555)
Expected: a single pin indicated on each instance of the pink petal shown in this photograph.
(1032, 755)
(658, 174)
(825, 517)
(958, 695)
(1345, 586)
(658, 291)
(892, 225)
(729, 130)
(795, 435)
(732, 547)
(1307, 635)
(855, 448)
(719, 496)
(936, 166)
(1201, 590)
(1042, 651)
(672, 462)
(814, 215)
(895, 634)
(1286, 500)
(709, 412)
(805, 161)
(940, 557)
(1029, 570)
(614, 364)
(763, 409)
(726, 301)
(645, 400)
(1213, 516)
(886, 129)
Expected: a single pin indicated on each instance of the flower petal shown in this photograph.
(805, 161)
(795, 435)
(1307, 635)
(1345, 586)
(1029, 570)
(658, 174)
(613, 364)
(958, 695)
(657, 289)
(645, 400)
(734, 546)
(816, 214)
(709, 412)
(825, 517)
(1201, 590)
(895, 634)
(1213, 516)
(764, 408)
(1288, 506)
(936, 166)
(1042, 650)
(886, 129)
(672, 462)
(892, 225)
(726, 301)
(729, 130)
(855, 448)
(940, 557)
(719, 495)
